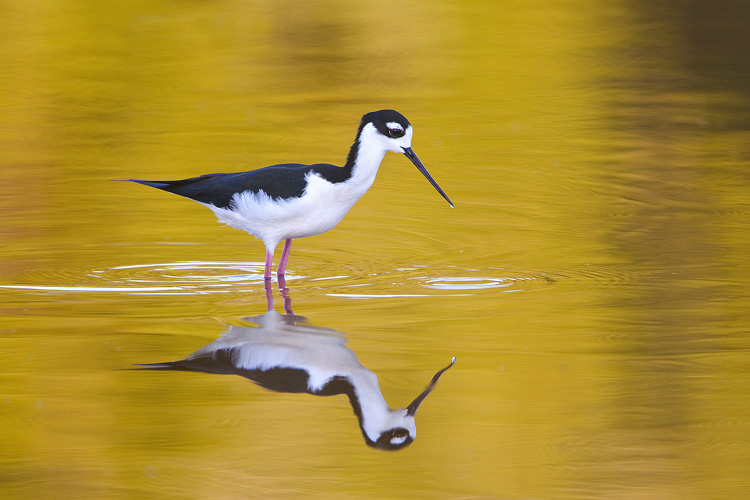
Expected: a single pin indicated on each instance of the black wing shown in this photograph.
(279, 379)
(277, 181)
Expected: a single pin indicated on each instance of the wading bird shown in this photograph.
(292, 200)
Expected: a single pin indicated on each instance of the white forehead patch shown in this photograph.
(398, 439)
(394, 126)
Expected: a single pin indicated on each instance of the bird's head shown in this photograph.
(391, 131)
(397, 429)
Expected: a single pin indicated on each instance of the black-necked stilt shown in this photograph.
(284, 354)
(291, 200)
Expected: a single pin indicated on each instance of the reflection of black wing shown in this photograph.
(293, 380)
(277, 181)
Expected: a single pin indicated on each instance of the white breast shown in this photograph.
(319, 209)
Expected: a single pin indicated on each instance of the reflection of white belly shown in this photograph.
(318, 210)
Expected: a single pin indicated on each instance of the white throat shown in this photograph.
(369, 155)
(377, 416)
(372, 148)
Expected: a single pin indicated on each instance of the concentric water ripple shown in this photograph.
(191, 273)
(424, 282)
(202, 277)
(472, 283)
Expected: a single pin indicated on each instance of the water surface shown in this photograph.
(591, 281)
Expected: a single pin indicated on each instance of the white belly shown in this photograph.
(318, 210)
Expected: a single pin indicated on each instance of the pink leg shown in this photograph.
(269, 296)
(285, 295)
(269, 265)
(284, 257)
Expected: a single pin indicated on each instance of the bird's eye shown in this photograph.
(395, 132)
(399, 436)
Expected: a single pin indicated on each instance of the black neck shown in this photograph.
(354, 150)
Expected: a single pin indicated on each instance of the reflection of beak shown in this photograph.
(412, 408)
(413, 157)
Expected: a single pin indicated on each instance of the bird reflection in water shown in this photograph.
(284, 354)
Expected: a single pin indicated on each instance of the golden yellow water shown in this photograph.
(592, 280)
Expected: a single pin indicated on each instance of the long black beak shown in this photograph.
(412, 408)
(413, 157)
